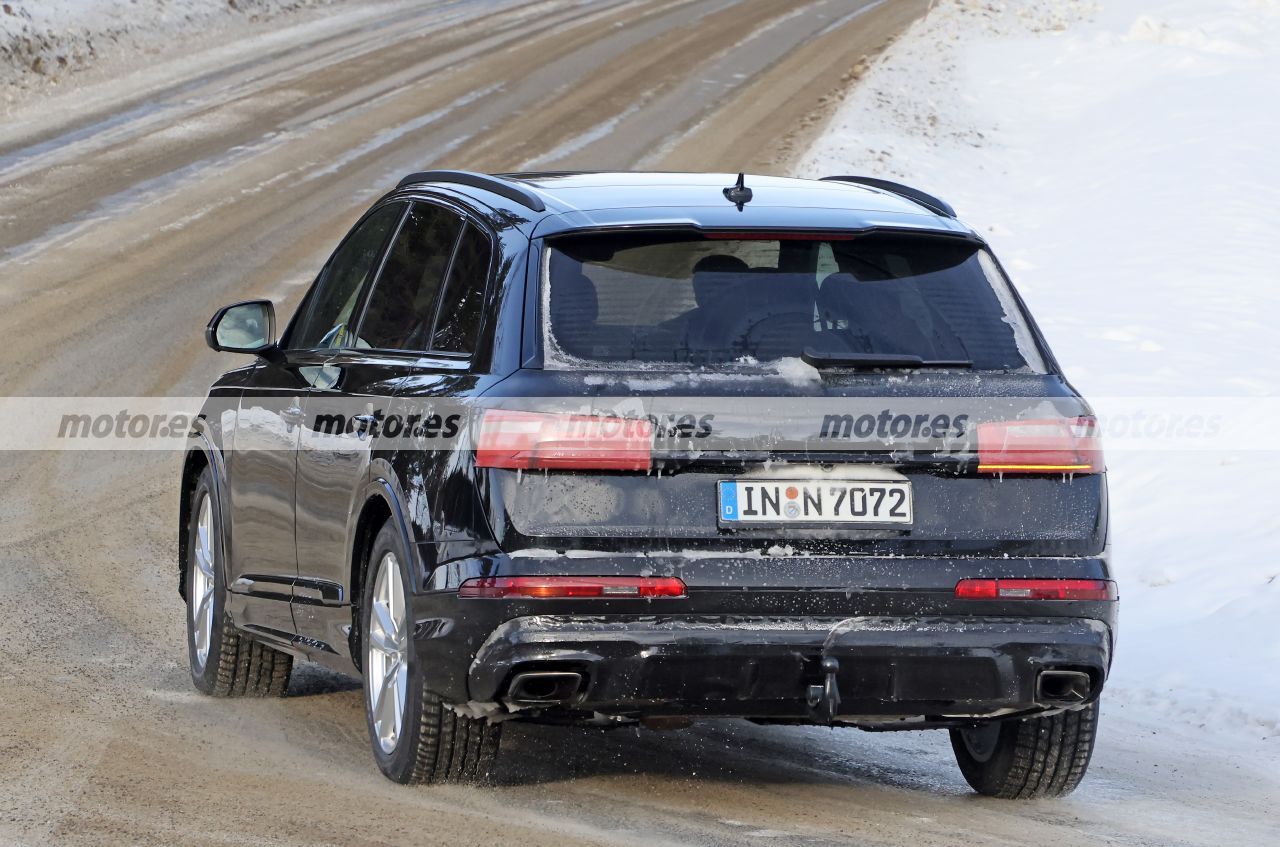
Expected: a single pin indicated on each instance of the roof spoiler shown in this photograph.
(933, 204)
(486, 182)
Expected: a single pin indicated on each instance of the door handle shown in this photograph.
(292, 417)
(366, 423)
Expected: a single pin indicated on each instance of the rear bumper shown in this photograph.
(935, 667)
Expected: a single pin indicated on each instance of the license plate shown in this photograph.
(810, 501)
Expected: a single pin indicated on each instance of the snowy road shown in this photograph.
(131, 209)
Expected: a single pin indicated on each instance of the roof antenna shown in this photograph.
(739, 194)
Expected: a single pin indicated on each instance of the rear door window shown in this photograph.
(402, 307)
(683, 299)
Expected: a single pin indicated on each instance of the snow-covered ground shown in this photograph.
(1121, 158)
(44, 42)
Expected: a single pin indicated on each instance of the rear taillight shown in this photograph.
(549, 587)
(537, 440)
(1035, 589)
(1060, 445)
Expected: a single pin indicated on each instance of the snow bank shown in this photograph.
(1121, 159)
(43, 41)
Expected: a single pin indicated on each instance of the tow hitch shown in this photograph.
(824, 699)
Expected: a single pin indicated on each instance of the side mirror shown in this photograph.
(248, 327)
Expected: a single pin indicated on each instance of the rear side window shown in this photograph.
(402, 306)
(460, 307)
(684, 299)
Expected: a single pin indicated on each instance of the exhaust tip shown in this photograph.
(1060, 687)
(544, 687)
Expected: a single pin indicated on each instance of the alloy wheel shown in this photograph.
(200, 592)
(387, 654)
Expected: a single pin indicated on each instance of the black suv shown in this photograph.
(618, 448)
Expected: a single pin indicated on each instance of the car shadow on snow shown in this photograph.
(309, 680)
(726, 750)
(719, 750)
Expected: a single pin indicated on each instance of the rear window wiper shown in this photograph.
(877, 360)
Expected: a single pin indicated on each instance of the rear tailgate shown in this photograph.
(824, 393)
(800, 439)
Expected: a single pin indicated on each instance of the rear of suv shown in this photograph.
(648, 448)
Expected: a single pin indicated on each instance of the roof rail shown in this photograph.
(494, 184)
(933, 204)
(537, 174)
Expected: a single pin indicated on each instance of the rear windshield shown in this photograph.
(686, 299)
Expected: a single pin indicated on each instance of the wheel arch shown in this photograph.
(381, 502)
(199, 456)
